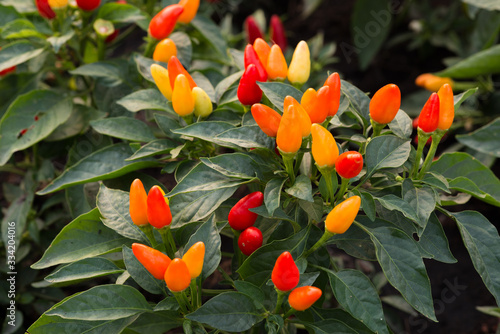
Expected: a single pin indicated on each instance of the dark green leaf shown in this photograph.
(145, 99)
(392, 202)
(434, 241)
(367, 204)
(155, 147)
(17, 53)
(234, 165)
(141, 275)
(401, 125)
(329, 326)
(211, 34)
(114, 72)
(301, 189)
(184, 47)
(356, 243)
(437, 181)
(167, 125)
(224, 85)
(205, 84)
(84, 269)
(386, 152)
(277, 91)
(20, 28)
(484, 62)
(122, 13)
(245, 136)
(272, 194)
(53, 324)
(313, 209)
(156, 322)
(485, 139)
(422, 200)
(485, 4)
(358, 100)
(207, 131)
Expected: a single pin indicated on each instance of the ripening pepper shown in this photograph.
(446, 107)
(252, 30)
(432, 82)
(138, 203)
(428, 119)
(262, 49)
(58, 4)
(276, 66)
(190, 10)
(175, 68)
(182, 98)
(289, 136)
(333, 82)
(349, 164)
(7, 71)
(324, 148)
(163, 23)
(158, 211)
(285, 275)
(161, 77)
(385, 104)
(251, 57)
(44, 9)
(164, 50)
(240, 217)
(194, 259)
(316, 103)
(267, 119)
(302, 117)
(300, 66)
(153, 260)
(342, 215)
(278, 35)
(250, 240)
(302, 298)
(177, 276)
(202, 103)
(88, 5)
(249, 91)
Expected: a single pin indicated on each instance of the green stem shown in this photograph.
(289, 313)
(377, 128)
(288, 161)
(101, 48)
(168, 241)
(148, 52)
(194, 294)
(225, 275)
(188, 119)
(148, 231)
(327, 174)
(215, 292)
(343, 188)
(180, 301)
(422, 140)
(279, 301)
(324, 238)
(436, 138)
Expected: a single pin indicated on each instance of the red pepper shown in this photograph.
(175, 68)
(7, 70)
(278, 35)
(239, 216)
(249, 91)
(349, 164)
(252, 30)
(285, 275)
(88, 5)
(154, 261)
(267, 119)
(251, 57)
(163, 23)
(302, 298)
(159, 214)
(250, 240)
(44, 9)
(428, 119)
(333, 81)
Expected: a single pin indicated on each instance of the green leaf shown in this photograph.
(367, 203)
(277, 91)
(356, 243)
(53, 324)
(358, 100)
(211, 33)
(103, 302)
(313, 209)
(484, 62)
(400, 260)
(155, 147)
(209, 235)
(141, 275)
(84, 269)
(422, 200)
(121, 13)
(401, 125)
(17, 53)
(114, 208)
(145, 99)
(114, 72)
(392, 202)
(20, 28)
(386, 152)
(370, 26)
(357, 295)
(485, 139)
(234, 165)
(329, 326)
(126, 128)
(250, 136)
(272, 194)
(167, 125)
(156, 322)
(468, 175)
(58, 42)
(436, 181)
(460, 98)
(8, 14)
(434, 241)
(485, 4)
(224, 85)
(52, 110)
(483, 244)
(84, 237)
(340, 315)
(250, 290)
(301, 189)
(184, 47)
(229, 311)
(77, 123)
(207, 131)
(106, 163)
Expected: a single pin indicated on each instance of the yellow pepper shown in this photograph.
(160, 76)
(194, 259)
(57, 4)
(342, 216)
(300, 66)
(324, 148)
(182, 98)
(202, 103)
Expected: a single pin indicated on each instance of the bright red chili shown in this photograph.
(88, 5)
(250, 240)
(163, 23)
(44, 9)
(285, 275)
(249, 91)
(278, 35)
(240, 217)
(349, 164)
(251, 57)
(428, 119)
(159, 214)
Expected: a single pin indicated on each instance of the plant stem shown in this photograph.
(279, 301)
(180, 301)
(343, 188)
(215, 292)
(324, 238)
(148, 231)
(166, 237)
(289, 313)
(422, 140)
(288, 161)
(148, 52)
(436, 138)
(377, 128)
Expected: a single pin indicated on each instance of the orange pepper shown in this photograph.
(304, 297)
(162, 81)
(385, 104)
(432, 82)
(316, 103)
(342, 216)
(194, 259)
(302, 117)
(289, 138)
(446, 107)
(164, 50)
(262, 49)
(333, 81)
(267, 119)
(324, 148)
(153, 260)
(159, 214)
(190, 10)
(138, 206)
(276, 64)
(177, 276)
(174, 69)
(182, 98)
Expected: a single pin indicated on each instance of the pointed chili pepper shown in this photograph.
(177, 276)
(446, 107)
(240, 217)
(342, 216)
(58, 4)
(248, 91)
(174, 69)
(316, 103)
(165, 50)
(88, 5)
(300, 66)
(302, 298)
(385, 104)
(163, 23)
(262, 49)
(285, 275)
(194, 259)
(278, 35)
(428, 119)
(277, 68)
(251, 57)
(138, 203)
(349, 164)
(324, 148)
(162, 81)
(202, 103)
(333, 81)
(159, 214)
(44, 9)
(182, 98)
(432, 82)
(267, 119)
(250, 240)
(289, 136)
(153, 260)
(302, 116)
(252, 30)
(190, 10)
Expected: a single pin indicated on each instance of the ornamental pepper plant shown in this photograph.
(202, 177)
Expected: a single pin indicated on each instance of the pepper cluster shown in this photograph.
(276, 34)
